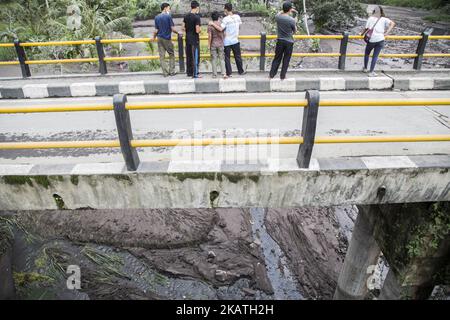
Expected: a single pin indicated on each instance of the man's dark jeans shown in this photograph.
(192, 64)
(376, 47)
(283, 52)
(236, 48)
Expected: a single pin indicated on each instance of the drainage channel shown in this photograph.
(283, 282)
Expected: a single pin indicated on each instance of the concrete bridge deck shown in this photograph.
(276, 183)
(153, 83)
(154, 124)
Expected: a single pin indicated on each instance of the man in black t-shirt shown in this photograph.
(191, 25)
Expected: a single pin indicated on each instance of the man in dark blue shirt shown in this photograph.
(191, 25)
(164, 27)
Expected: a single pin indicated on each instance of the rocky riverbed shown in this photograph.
(177, 254)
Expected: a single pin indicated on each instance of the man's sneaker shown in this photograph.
(373, 74)
(173, 74)
(365, 70)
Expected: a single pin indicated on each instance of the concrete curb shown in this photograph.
(270, 165)
(251, 84)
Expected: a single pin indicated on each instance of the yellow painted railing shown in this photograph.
(220, 141)
(306, 140)
(212, 104)
(206, 56)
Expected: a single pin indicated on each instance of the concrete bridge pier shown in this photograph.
(415, 240)
(363, 251)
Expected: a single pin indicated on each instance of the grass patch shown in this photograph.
(109, 264)
(7, 54)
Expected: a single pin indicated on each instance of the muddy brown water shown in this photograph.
(180, 254)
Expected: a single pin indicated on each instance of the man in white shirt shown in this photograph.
(231, 24)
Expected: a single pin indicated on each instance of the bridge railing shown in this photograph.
(306, 141)
(102, 59)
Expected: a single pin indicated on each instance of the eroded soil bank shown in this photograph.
(179, 254)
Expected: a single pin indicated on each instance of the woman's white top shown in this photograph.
(380, 28)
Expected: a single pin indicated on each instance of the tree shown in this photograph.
(333, 14)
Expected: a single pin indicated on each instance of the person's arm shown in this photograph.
(156, 29)
(209, 38)
(172, 27)
(198, 24)
(391, 26)
(216, 26)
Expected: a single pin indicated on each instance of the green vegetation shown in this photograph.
(146, 9)
(40, 20)
(428, 236)
(109, 264)
(253, 6)
(333, 14)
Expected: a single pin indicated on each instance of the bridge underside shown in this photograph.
(276, 183)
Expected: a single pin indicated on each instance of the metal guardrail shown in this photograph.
(24, 63)
(306, 141)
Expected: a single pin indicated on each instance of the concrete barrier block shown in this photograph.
(99, 168)
(388, 162)
(421, 83)
(156, 87)
(131, 87)
(52, 168)
(0, 92)
(106, 89)
(83, 89)
(332, 84)
(401, 84)
(431, 161)
(232, 85)
(33, 91)
(380, 83)
(286, 85)
(307, 84)
(441, 84)
(182, 86)
(58, 90)
(15, 169)
(195, 166)
(12, 93)
(356, 83)
(206, 86)
(258, 85)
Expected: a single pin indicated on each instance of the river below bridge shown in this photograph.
(180, 254)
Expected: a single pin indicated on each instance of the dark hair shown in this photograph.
(382, 14)
(195, 4)
(228, 7)
(164, 5)
(287, 6)
(215, 16)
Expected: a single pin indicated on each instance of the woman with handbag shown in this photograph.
(377, 27)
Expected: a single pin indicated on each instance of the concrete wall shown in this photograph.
(277, 183)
